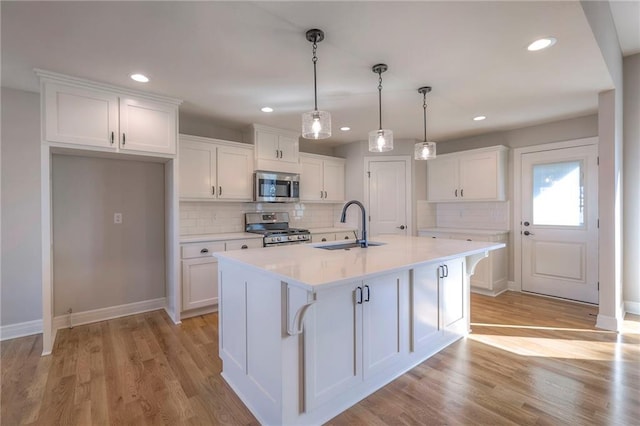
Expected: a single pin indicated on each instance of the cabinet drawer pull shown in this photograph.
(244, 246)
(204, 250)
(324, 239)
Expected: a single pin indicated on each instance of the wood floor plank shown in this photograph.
(529, 361)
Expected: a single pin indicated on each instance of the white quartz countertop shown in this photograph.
(466, 231)
(201, 238)
(311, 267)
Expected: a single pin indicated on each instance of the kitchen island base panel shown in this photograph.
(266, 360)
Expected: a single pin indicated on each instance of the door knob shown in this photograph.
(400, 227)
(527, 233)
(526, 223)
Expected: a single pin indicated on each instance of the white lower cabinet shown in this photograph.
(365, 321)
(490, 276)
(200, 270)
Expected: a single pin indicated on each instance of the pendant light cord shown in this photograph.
(380, 98)
(424, 107)
(315, 84)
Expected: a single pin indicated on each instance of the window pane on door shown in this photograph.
(558, 194)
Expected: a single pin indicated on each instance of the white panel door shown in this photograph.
(479, 176)
(333, 173)
(234, 173)
(288, 147)
(333, 321)
(197, 170)
(311, 180)
(147, 126)
(442, 179)
(387, 197)
(425, 306)
(381, 324)
(559, 223)
(81, 116)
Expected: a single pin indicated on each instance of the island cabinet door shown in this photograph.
(383, 323)
(425, 305)
(453, 295)
(332, 344)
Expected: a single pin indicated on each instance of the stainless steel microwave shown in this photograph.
(276, 187)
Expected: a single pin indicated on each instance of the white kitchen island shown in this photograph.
(305, 332)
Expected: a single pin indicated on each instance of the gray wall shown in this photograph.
(21, 287)
(97, 263)
(631, 166)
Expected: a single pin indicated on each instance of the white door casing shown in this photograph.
(559, 221)
(388, 192)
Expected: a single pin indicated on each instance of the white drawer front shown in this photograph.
(201, 249)
(244, 244)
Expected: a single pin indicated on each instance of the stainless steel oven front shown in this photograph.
(276, 187)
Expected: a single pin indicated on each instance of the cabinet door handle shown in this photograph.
(368, 293)
(359, 295)
(112, 137)
(462, 192)
(321, 196)
(446, 271)
(213, 190)
(401, 227)
(204, 250)
(325, 195)
(280, 153)
(456, 192)
(220, 191)
(440, 271)
(244, 247)
(124, 138)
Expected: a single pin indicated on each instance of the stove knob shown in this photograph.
(291, 237)
(277, 238)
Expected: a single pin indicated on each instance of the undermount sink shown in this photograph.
(347, 246)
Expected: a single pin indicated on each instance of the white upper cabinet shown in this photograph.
(475, 175)
(321, 178)
(106, 118)
(212, 169)
(275, 149)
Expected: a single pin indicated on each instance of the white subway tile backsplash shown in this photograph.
(490, 215)
(213, 218)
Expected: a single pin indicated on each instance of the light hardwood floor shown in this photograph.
(529, 361)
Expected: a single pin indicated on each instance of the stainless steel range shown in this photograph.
(275, 229)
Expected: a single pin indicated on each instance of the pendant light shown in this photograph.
(380, 140)
(316, 124)
(425, 150)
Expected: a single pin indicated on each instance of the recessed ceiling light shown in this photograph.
(542, 43)
(479, 118)
(140, 78)
(266, 109)
(345, 128)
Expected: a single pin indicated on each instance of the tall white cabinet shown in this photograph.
(474, 175)
(212, 169)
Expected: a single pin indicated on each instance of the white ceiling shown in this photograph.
(228, 59)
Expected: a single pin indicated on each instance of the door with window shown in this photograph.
(559, 223)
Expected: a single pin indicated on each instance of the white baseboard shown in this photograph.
(103, 314)
(200, 311)
(608, 323)
(27, 328)
(513, 286)
(632, 307)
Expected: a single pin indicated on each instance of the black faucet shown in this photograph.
(343, 218)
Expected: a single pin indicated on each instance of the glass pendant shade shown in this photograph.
(424, 151)
(380, 140)
(316, 125)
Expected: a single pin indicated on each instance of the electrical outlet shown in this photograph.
(117, 218)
